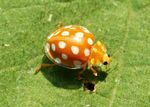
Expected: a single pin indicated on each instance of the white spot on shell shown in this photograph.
(57, 60)
(53, 47)
(90, 41)
(62, 44)
(75, 50)
(64, 56)
(65, 33)
(77, 63)
(77, 39)
(79, 35)
(86, 52)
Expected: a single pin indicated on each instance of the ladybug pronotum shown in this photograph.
(72, 47)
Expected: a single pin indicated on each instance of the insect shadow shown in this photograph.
(67, 78)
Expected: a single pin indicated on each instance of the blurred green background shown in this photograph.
(122, 25)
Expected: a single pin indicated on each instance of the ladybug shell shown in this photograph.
(70, 46)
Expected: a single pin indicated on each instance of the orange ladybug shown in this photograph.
(72, 47)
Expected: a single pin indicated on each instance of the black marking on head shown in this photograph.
(105, 63)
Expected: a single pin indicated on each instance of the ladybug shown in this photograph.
(72, 47)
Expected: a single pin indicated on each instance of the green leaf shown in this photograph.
(123, 26)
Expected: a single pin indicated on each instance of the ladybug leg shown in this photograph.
(80, 73)
(93, 71)
(39, 67)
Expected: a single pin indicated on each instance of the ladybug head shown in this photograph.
(98, 55)
(106, 59)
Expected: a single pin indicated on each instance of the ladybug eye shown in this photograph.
(105, 63)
